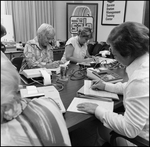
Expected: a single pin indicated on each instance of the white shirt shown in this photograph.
(135, 120)
(79, 51)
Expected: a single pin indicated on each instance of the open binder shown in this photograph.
(86, 92)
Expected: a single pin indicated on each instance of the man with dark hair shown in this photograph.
(129, 44)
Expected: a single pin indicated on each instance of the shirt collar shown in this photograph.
(136, 64)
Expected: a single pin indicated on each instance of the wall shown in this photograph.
(60, 19)
(134, 12)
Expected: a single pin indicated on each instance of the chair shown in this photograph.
(139, 141)
(17, 62)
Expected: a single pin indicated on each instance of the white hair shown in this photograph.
(45, 28)
(10, 80)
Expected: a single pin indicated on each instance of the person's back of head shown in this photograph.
(3, 31)
(130, 39)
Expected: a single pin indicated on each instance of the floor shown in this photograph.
(85, 135)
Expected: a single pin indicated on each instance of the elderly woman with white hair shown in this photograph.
(24, 122)
(38, 52)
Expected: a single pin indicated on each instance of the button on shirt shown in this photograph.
(135, 120)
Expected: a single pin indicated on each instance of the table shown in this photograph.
(75, 120)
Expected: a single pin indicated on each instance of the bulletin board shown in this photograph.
(113, 12)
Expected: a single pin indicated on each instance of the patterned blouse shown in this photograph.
(35, 56)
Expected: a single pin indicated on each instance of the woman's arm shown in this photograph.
(136, 111)
(69, 49)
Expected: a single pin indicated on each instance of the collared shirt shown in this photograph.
(35, 56)
(135, 120)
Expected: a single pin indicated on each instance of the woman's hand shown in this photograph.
(98, 85)
(96, 59)
(88, 60)
(87, 107)
(54, 64)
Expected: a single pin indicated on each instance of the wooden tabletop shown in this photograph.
(75, 120)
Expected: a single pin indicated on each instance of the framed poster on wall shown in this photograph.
(81, 15)
(113, 12)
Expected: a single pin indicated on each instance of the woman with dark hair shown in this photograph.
(129, 44)
(76, 47)
(3, 33)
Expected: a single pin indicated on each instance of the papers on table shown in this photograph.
(47, 91)
(97, 93)
(73, 106)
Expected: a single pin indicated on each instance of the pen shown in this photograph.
(94, 84)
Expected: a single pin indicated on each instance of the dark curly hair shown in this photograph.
(3, 31)
(130, 39)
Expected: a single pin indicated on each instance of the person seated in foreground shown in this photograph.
(129, 44)
(38, 52)
(76, 49)
(26, 122)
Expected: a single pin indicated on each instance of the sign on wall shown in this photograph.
(81, 15)
(113, 12)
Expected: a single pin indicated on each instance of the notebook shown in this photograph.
(108, 76)
(87, 92)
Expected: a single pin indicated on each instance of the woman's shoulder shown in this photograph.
(44, 112)
(72, 40)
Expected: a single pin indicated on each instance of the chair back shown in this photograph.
(17, 62)
(139, 141)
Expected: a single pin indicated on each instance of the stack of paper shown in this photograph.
(47, 91)
(73, 106)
